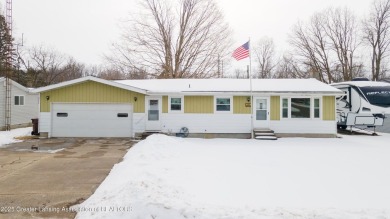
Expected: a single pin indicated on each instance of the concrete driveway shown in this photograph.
(43, 184)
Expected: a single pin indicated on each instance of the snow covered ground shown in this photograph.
(168, 177)
(7, 137)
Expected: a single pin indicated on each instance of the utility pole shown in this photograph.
(8, 68)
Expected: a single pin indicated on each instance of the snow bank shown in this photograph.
(168, 177)
(7, 137)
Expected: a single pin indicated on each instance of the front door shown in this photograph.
(153, 106)
(261, 112)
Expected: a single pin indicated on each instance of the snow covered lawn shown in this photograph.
(7, 137)
(168, 177)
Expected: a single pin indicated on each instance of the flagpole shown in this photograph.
(250, 82)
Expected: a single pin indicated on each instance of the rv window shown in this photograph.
(62, 114)
(123, 115)
(379, 96)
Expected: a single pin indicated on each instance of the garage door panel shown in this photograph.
(91, 120)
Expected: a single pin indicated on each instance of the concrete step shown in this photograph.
(266, 138)
(264, 134)
(263, 130)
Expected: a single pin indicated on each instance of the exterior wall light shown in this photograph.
(47, 97)
(135, 99)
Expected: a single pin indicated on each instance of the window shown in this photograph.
(123, 115)
(300, 107)
(19, 100)
(261, 109)
(284, 108)
(62, 114)
(316, 108)
(153, 112)
(175, 104)
(223, 104)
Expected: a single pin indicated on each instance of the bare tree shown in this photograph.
(111, 73)
(264, 55)
(174, 39)
(341, 28)
(311, 44)
(44, 66)
(71, 70)
(288, 67)
(376, 33)
(239, 74)
(327, 45)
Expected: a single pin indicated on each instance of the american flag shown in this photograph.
(241, 52)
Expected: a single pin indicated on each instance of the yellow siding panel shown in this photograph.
(328, 108)
(165, 104)
(275, 108)
(92, 92)
(198, 104)
(239, 105)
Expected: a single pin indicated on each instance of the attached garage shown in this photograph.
(91, 120)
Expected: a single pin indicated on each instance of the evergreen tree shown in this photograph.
(5, 41)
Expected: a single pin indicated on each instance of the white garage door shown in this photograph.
(91, 120)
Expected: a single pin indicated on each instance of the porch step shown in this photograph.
(266, 138)
(263, 130)
(264, 134)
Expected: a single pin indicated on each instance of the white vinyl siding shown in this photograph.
(20, 115)
(240, 123)
(44, 122)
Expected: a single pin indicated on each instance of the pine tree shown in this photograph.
(5, 41)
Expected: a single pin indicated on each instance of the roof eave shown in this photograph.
(16, 84)
(246, 93)
(88, 78)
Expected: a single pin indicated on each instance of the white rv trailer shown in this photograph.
(365, 103)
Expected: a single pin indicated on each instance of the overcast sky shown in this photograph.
(85, 29)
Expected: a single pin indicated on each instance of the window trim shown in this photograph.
(319, 107)
(311, 107)
(224, 97)
(182, 104)
(24, 100)
(288, 107)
